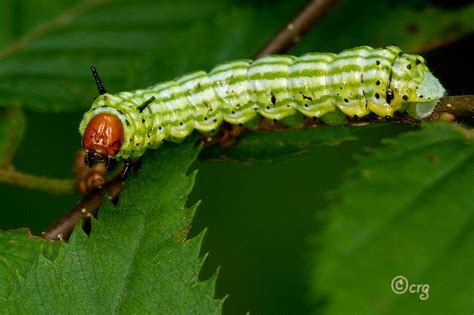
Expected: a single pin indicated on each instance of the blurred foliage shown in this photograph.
(408, 210)
(12, 129)
(414, 26)
(260, 215)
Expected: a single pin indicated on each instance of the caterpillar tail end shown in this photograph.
(431, 91)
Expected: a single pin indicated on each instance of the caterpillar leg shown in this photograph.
(126, 168)
(230, 135)
(227, 136)
(129, 165)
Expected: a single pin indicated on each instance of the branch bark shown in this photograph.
(458, 105)
(292, 32)
(86, 208)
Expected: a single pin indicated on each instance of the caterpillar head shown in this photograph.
(103, 135)
(102, 139)
(417, 89)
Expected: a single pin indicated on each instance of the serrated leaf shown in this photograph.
(407, 210)
(137, 257)
(12, 129)
(18, 252)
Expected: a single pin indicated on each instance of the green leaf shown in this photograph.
(137, 257)
(18, 252)
(17, 17)
(408, 209)
(12, 129)
(277, 144)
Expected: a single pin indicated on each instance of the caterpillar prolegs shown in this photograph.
(354, 82)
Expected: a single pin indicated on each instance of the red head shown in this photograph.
(102, 139)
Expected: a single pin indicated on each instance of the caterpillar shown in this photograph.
(327, 86)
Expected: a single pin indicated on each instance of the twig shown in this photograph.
(51, 185)
(13, 125)
(86, 208)
(83, 210)
(458, 105)
(292, 32)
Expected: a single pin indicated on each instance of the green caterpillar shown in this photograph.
(328, 86)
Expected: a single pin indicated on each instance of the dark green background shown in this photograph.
(259, 216)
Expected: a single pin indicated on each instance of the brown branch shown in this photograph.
(455, 108)
(86, 208)
(292, 32)
(82, 211)
(459, 105)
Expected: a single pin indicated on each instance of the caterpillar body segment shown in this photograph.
(354, 82)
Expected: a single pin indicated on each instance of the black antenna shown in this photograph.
(98, 81)
(145, 104)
